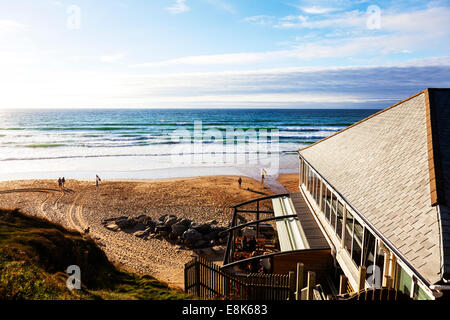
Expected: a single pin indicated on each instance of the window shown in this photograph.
(333, 212)
(313, 185)
(420, 294)
(310, 180)
(369, 249)
(379, 260)
(328, 207)
(324, 198)
(306, 176)
(357, 242)
(404, 281)
(368, 259)
(348, 232)
(339, 219)
(317, 188)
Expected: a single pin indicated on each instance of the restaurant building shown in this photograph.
(380, 192)
(373, 205)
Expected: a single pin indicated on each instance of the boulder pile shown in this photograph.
(181, 231)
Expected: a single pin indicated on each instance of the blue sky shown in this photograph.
(220, 53)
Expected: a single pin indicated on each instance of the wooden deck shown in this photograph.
(315, 237)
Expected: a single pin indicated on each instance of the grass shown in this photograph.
(34, 256)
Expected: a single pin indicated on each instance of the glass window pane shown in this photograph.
(369, 249)
(348, 232)
(369, 256)
(310, 180)
(404, 281)
(328, 213)
(306, 177)
(315, 186)
(379, 262)
(420, 294)
(333, 211)
(324, 196)
(357, 242)
(340, 218)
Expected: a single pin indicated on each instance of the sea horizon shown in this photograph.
(141, 143)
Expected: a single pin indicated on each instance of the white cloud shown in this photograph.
(317, 10)
(178, 7)
(261, 19)
(222, 5)
(370, 86)
(7, 26)
(112, 58)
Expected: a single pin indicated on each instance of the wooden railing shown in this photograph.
(207, 281)
(381, 294)
(238, 208)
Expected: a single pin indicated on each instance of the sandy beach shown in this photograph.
(82, 205)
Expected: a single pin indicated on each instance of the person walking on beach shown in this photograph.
(240, 182)
(59, 182)
(63, 181)
(97, 179)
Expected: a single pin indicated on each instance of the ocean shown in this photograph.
(160, 143)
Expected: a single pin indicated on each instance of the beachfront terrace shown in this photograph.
(274, 233)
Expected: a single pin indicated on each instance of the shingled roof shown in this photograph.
(394, 168)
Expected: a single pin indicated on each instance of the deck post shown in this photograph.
(310, 285)
(197, 276)
(257, 219)
(361, 278)
(388, 283)
(342, 284)
(292, 292)
(299, 283)
(230, 244)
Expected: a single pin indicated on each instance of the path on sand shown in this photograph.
(130, 252)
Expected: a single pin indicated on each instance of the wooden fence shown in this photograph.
(381, 294)
(207, 281)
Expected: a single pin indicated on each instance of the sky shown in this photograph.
(220, 53)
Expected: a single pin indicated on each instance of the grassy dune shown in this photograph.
(35, 253)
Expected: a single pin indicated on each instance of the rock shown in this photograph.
(185, 222)
(142, 219)
(170, 220)
(112, 226)
(203, 228)
(223, 234)
(178, 228)
(163, 217)
(200, 243)
(218, 249)
(163, 233)
(173, 236)
(190, 236)
(140, 227)
(126, 223)
(213, 235)
(151, 224)
(207, 251)
(142, 233)
(163, 228)
(211, 222)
